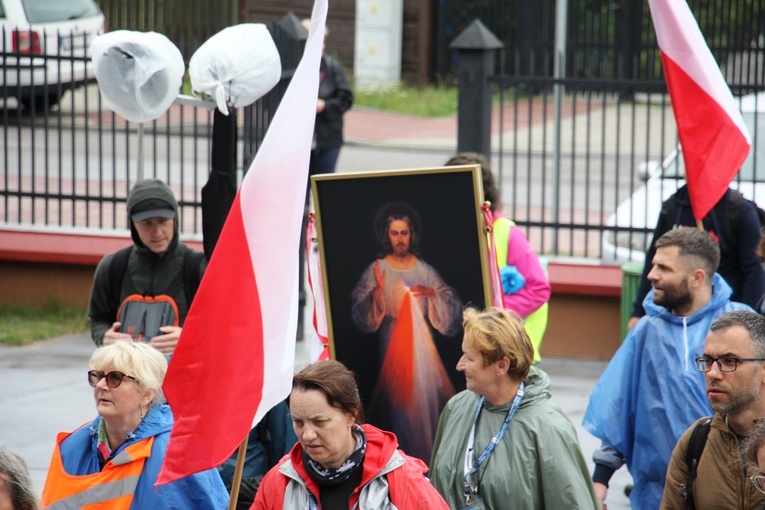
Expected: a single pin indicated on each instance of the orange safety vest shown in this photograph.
(112, 488)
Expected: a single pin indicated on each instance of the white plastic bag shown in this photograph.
(239, 64)
(139, 73)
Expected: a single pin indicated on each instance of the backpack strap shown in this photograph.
(735, 201)
(666, 211)
(117, 270)
(692, 457)
(192, 262)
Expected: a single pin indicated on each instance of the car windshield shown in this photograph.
(47, 11)
(750, 172)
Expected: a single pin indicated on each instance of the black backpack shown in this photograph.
(692, 457)
(735, 200)
(189, 276)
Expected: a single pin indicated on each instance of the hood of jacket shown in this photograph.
(158, 420)
(381, 445)
(151, 189)
(721, 293)
(537, 387)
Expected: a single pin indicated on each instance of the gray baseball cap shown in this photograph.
(152, 208)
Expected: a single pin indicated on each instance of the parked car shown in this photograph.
(43, 49)
(637, 216)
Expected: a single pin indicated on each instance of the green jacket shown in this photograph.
(537, 465)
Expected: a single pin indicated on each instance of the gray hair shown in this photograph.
(14, 475)
(753, 323)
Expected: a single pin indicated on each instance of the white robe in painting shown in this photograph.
(413, 385)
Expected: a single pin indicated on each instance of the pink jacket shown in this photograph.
(536, 291)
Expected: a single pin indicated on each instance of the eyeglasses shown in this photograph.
(725, 364)
(758, 479)
(113, 378)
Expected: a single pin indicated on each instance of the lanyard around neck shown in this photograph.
(472, 467)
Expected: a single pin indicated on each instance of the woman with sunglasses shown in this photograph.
(114, 460)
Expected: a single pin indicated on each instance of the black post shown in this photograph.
(476, 47)
(220, 190)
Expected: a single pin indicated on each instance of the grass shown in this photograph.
(431, 101)
(21, 324)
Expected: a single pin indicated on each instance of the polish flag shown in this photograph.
(319, 342)
(712, 133)
(235, 359)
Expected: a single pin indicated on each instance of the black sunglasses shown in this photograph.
(113, 378)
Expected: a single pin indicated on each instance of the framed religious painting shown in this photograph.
(402, 253)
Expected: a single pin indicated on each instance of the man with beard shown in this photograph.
(651, 391)
(735, 382)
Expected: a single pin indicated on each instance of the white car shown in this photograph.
(641, 211)
(43, 47)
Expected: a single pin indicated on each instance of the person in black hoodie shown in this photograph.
(335, 98)
(735, 225)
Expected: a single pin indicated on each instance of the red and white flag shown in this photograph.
(712, 132)
(319, 342)
(236, 356)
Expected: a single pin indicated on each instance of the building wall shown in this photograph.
(595, 334)
(341, 21)
(416, 61)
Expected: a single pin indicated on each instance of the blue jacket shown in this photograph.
(651, 391)
(202, 490)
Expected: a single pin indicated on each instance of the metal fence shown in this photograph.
(606, 40)
(187, 23)
(68, 162)
(589, 182)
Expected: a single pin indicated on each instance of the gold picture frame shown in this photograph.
(375, 328)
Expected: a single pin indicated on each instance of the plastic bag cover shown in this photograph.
(239, 64)
(139, 73)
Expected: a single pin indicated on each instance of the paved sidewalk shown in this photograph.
(44, 391)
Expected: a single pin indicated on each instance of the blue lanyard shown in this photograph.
(470, 468)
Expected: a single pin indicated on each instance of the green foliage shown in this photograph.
(433, 101)
(22, 324)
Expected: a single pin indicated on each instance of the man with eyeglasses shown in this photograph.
(651, 390)
(732, 363)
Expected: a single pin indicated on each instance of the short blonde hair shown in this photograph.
(496, 334)
(138, 359)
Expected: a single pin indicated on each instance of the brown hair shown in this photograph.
(695, 243)
(490, 190)
(336, 382)
(499, 333)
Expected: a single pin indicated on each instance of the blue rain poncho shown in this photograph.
(651, 391)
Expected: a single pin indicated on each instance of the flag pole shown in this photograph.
(237, 481)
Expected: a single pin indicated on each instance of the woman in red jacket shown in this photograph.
(338, 462)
